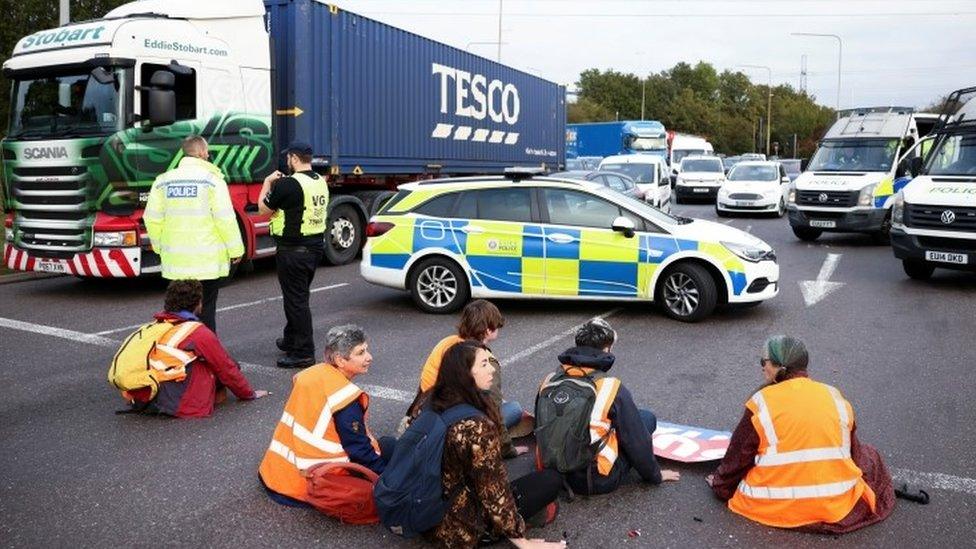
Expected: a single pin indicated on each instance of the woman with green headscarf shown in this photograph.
(794, 460)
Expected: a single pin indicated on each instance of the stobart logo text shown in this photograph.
(63, 36)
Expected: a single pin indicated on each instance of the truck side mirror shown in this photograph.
(162, 99)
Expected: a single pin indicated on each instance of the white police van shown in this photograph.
(934, 216)
(849, 184)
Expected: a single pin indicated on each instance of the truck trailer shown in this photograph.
(100, 109)
(613, 138)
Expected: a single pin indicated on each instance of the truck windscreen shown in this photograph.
(854, 155)
(648, 143)
(956, 155)
(67, 105)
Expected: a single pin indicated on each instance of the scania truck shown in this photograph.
(99, 109)
(613, 138)
(934, 216)
(850, 182)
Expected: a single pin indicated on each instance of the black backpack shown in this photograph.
(409, 494)
(562, 422)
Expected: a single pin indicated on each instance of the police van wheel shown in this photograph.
(687, 292)
(917, 270)
(438, 286)
(343, 235)
(807, 234)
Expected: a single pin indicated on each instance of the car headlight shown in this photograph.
(722, 191)
(898, 210)
(749, 252)
(791, 197)
(116, 239)
(866, 197)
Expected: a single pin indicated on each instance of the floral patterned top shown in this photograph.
(473, 470)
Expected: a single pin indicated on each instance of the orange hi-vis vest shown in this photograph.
(428, 374)
(306, 435)
(804, 473)
(167, 362)
(606, 392)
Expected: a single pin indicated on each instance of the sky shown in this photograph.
(895, 52)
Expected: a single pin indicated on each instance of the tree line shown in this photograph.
(727, 108)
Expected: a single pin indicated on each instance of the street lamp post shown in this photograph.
(492, 43)
(840, 55)
(769, 101)
(64, 16)
(499, 31)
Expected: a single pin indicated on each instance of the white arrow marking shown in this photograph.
(815, 290)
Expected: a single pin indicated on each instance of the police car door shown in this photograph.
(583, 255)
(503, 245)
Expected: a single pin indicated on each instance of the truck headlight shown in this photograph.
(898, 210)
(866, 197)
(748, 252)
(115, 239)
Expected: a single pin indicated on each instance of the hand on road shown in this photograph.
(523, 543)
(667, 475)
(519, 450)
(261, 393)
(710, 479)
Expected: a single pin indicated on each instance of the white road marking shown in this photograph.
(552, 340)
(374, 391)
(815, 290)
(748, 228)
(72, 335)
(231, 307)
(727, 222)
(938, 481)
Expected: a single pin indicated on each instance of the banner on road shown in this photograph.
(689, 444)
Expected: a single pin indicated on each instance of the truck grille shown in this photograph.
(936, 217)
(948, 244)
(53, 212)
(835, 199)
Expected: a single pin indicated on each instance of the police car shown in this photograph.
(527, 236)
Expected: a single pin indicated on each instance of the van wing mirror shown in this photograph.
(624, 225)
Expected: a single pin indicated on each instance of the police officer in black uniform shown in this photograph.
(298, 205)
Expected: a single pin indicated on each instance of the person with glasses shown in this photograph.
(794, 460)
(191, 224)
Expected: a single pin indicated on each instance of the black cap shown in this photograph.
(299, 147)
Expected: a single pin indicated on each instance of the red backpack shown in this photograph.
(343, 491)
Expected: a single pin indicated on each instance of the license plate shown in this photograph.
(700, 190)
(51, 266)
(745, 203)
(823, 223)
(947, 257)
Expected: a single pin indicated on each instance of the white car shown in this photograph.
(699, 177)
(649, 172)
(754, 187)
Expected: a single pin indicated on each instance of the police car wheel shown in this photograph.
(917, 270)
(687, 292)
(807, 234)
(438, 285)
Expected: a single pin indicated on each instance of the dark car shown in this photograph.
(613, 180)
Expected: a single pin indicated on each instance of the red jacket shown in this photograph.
(196, 395)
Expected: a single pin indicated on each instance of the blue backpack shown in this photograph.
(409, 494)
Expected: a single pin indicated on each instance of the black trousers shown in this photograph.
(209, 314)
(296, 269)
(535, 490)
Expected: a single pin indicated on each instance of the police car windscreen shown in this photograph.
(640, 173)
(753, 173)
(955, 155)
(854, 155)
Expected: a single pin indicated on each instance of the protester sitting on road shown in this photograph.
(325, 420)
(485, 506)
(794, 460)
(189, 370)
(480, 321)
(609, 417)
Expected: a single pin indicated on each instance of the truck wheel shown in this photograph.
(807, 234)
(687, 292)
(343, 235)
(438, 285)
(917, 270)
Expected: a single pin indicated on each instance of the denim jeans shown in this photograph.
(511, 413)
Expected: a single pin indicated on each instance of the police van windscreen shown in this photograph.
(640, 173)
(854, 155)
(955, 155)
(67, 105)
(702, 165)
(753, 173)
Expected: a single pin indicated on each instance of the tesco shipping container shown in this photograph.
(380, 100)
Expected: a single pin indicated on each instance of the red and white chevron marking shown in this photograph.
(103, 263)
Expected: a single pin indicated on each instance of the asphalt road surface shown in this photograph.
(74, 473)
